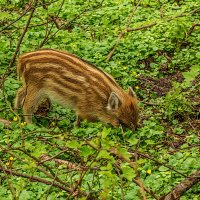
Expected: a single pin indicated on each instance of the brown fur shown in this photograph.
(71, 81)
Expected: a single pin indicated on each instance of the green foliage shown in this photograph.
(97, 159)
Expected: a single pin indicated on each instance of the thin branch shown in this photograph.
(10, 184)
(182, 187)
(137, 182)
(22, 36)
(167, 20)
(49, 31)
(68, 23)
(50, 175)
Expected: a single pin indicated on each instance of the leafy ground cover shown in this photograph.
(153, 46)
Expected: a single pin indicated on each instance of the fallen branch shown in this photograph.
(167, 20)
(182, 187)
(145, 27)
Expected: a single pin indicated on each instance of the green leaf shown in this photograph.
(124, 152)
(133, 141)
(85, 151)
(105, 132)
(128, 172)
(104, 154)
(73, 144)
(163, 169)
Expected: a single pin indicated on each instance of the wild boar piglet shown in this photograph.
(71, 81)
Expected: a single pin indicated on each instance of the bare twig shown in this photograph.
(150, 103)
(141, 27)
(122, 33)
(22, 36)
(182, 187)
(121, 183)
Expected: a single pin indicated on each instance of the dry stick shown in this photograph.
(147, 26)
(50, 175)
(36, 179)
(161, 11)
(121, 183)
(22, 36)
(182, 187)
(150, 103)
(139, 184)
(141, 27)
(121, 34)
(64, 25)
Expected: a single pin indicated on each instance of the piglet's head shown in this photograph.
(124, 109)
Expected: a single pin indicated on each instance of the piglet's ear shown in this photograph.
(114, 101)
(131, 92)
